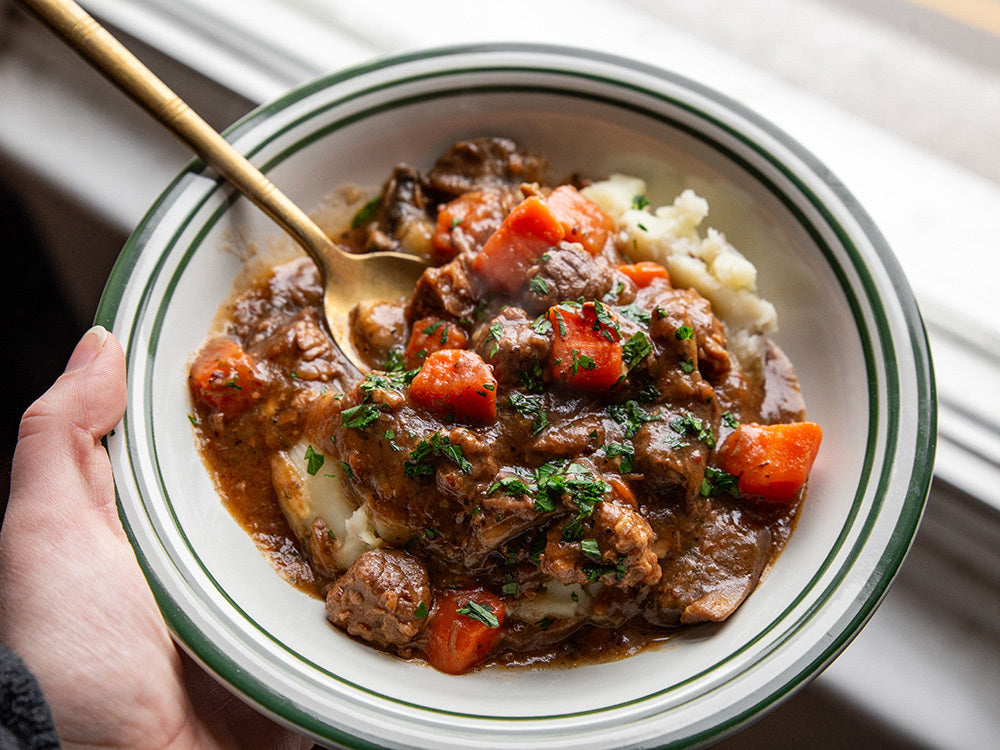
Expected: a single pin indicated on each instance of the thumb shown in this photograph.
(59, 459)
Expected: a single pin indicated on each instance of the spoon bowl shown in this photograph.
(347, 277)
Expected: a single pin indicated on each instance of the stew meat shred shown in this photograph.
(556, 456)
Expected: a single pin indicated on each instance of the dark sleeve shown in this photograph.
(25, 719)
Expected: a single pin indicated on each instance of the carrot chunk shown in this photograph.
(430, 335)
(586, 348)
(581, 218)
(771, 462)
(224, 377)
(644, 272)
(456, 383)
(525, 234)
(466, 223)
(464, 628)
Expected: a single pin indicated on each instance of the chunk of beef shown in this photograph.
(566, 272)
(484, 162)
(513, 347)
(671, 452)
(300, 348)
(378, 327)
(401, 220)
(677, 310)
(719, 566)
(378, 598)
(624, 539)
(444, 292)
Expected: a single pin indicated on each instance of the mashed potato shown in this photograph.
(709, 264)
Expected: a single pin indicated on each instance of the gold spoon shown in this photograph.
(347, 277)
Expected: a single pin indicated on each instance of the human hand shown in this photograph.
(73, 602)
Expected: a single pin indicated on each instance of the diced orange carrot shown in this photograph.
(456, 383)
(430, 335)
(464, 628)
(586, 348)
(466, 221)
(224, 377)
(771, 462)
(584, 221)
(525, 234)
(645, 272)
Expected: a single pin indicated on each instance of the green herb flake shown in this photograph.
(348, 470)
(688, 424)
(684, 333)
(436, 445)
(730, 420)
(493, 336)
(639, 202)
(715, 482)
(590, 548)
(636, 349)
(314, 461)
(360, 416)
(687, 366)
(625, 451)
(631, 416)
(366, 213)
(421, 611)
(476, 611)
(539, 286)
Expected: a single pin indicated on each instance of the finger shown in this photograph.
(60, 466)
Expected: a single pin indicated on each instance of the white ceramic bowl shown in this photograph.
(848, 322)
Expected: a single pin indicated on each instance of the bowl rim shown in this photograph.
(218, 661)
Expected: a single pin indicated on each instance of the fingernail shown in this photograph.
(87, 348)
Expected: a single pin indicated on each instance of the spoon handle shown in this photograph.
(95, 44)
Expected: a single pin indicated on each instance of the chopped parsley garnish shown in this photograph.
(631, 416)
(689, 424)
(420, 611)
(581, 361)
(594, 571)
(533, 379)
(509, 585)
(493, 338)
(687, 366)
(626, 451)
(314, 461)
(729, 419)
(513, 485)
(636, 349)
(365, 213)
(684, 333)
(639, 202)
(590, 548)
(715, 482)
(476, 611)
(636, 312)
(531, 408)
(386, 381)
(436, 445)
(542, 325)
(347, 469)
(615, 291)
(231, 383)
(551, 482)
(360, 416)
(606, 322)
(545, 623)
(539, 286)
